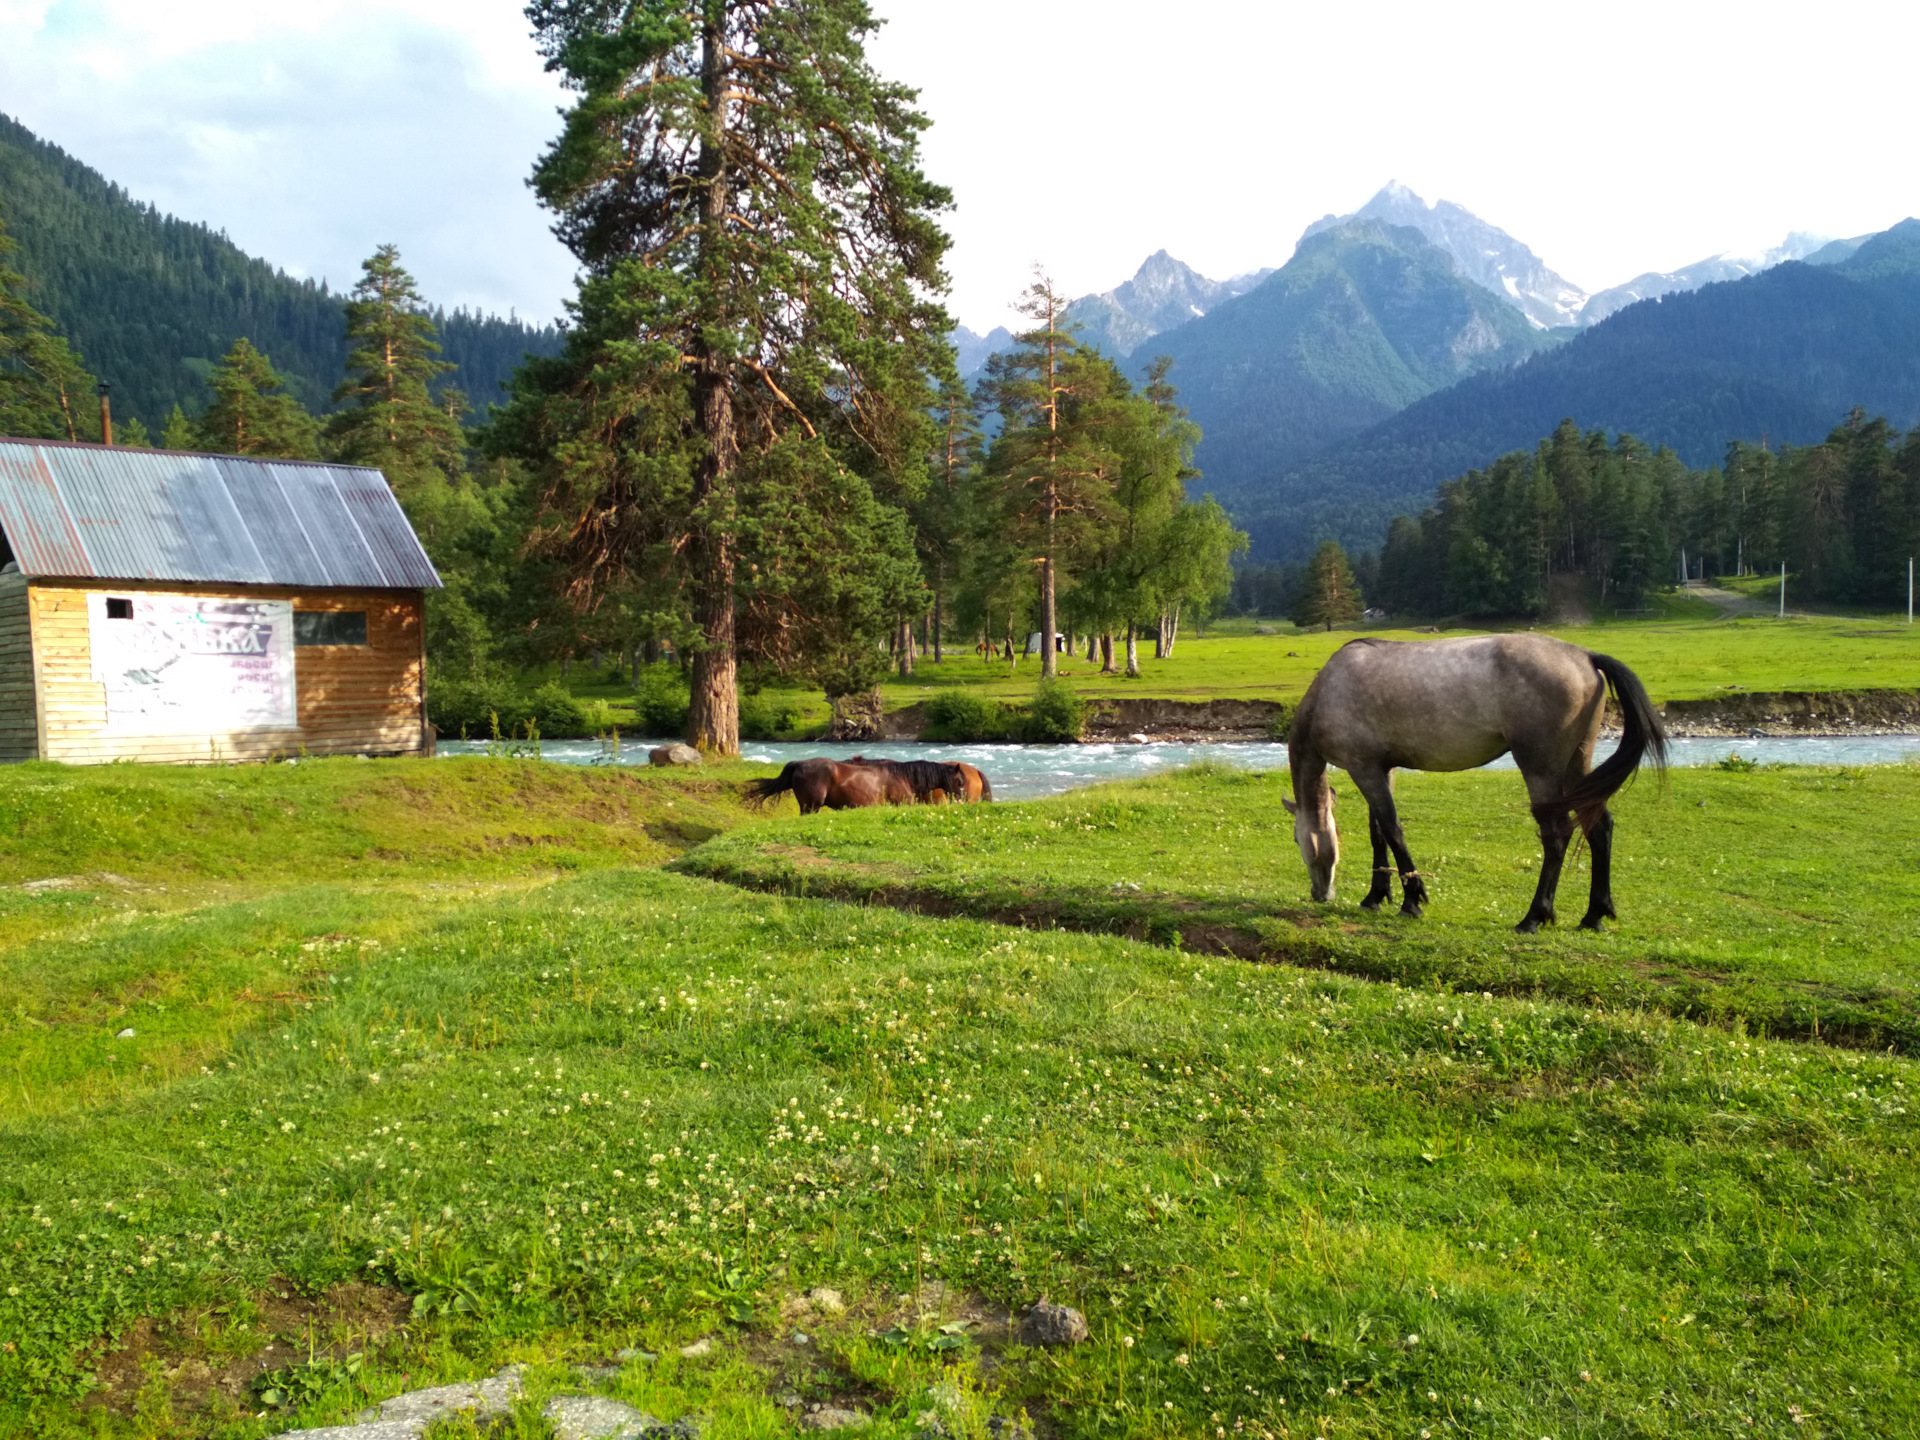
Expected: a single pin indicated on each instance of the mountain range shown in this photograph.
(1779, 356)
(152, 302)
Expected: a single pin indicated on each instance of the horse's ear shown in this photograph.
(1292, 809)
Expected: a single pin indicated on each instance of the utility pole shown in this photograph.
(1909, 589)
(1783, 589)
(106, 415)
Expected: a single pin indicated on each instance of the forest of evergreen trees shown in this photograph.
(153, 302)
(1842, 515)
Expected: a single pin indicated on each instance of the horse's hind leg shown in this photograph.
(1600, 897)
(1556, 830)
(1383, 819)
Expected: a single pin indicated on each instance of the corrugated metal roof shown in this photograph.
(108, 513)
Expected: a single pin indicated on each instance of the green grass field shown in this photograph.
(1682, 654)
(1756, 897)
(554, 1100)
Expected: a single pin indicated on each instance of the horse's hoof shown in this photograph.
(1372, 902)
(1528, 926)
(1590, 922)
(1411, 911)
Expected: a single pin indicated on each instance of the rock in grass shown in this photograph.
(1054, 1325)
(594, 1417)
(407, 1416)
(828, 1302)
(829, 1417)
(674, 754)
(697, 1349)
(126, 1034)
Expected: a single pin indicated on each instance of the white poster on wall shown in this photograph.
(174, 664)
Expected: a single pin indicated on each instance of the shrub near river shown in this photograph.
(572, 1112)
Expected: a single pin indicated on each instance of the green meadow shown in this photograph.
(1684, 652)
(471, 1079)
(1784, 900)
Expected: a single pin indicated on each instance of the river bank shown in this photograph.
(1735, 713)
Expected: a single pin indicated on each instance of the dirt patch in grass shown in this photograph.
(217, 1351)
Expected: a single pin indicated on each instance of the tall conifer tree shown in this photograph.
(745, 398)
(1330, 596)
(248, 417)
(389, 420)
(45, 390)
(1053, 467)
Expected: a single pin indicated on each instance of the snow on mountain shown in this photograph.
(1727, 266)
(1485, 253)
(1163, 294)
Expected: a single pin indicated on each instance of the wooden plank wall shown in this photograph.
(351, 699)
(19, 721)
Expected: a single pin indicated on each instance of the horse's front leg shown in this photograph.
(1600, 896)
(1382, 872)
(1556, 830)
(1377, 786)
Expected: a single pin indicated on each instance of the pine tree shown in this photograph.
(390, 421)
(1053, 469)
(133, 434)
(44, 388)
(177, 433)
(1329, 596)
(248, 418)
(744, 399)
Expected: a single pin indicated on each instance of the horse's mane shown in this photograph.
(924, 776)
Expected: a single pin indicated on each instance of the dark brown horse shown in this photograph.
(934, 782)
(1382, 705)
(822, 784)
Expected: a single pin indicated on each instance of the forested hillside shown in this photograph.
(1843, 516)
(1363, 320)
(1776, 356)
(152, 302)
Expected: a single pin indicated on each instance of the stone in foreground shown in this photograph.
(407, 1416)
(829, 1417)
(674, 754)
(594, 1417)
(1054, 1325)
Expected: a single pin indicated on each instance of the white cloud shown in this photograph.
(1613, 136)
(311, 133)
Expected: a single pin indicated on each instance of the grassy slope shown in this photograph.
(576, 1110)
(1678, 658)
(1756, 896)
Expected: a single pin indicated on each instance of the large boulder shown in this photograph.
(675, 754)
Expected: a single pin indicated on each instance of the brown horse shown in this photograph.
(822, 784)
(978, 788)
(934, 782)
(938, 781)
(1382, 705)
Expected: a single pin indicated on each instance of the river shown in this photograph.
(1026, 772)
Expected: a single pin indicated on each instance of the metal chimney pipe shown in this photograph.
(106, 415)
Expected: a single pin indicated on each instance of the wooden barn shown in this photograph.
(162, 606)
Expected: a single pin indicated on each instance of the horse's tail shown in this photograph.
(986, 789)
(761, 793)
(1641, 734)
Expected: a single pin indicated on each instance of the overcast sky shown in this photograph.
(1612, 138)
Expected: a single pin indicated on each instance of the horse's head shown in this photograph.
(1317, 836)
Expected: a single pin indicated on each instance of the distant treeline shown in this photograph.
(154, 302)
(1843, 516)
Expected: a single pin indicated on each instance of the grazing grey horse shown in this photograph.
(1382, 705)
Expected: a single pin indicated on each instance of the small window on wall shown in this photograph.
(329, 627)
(119, 608)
